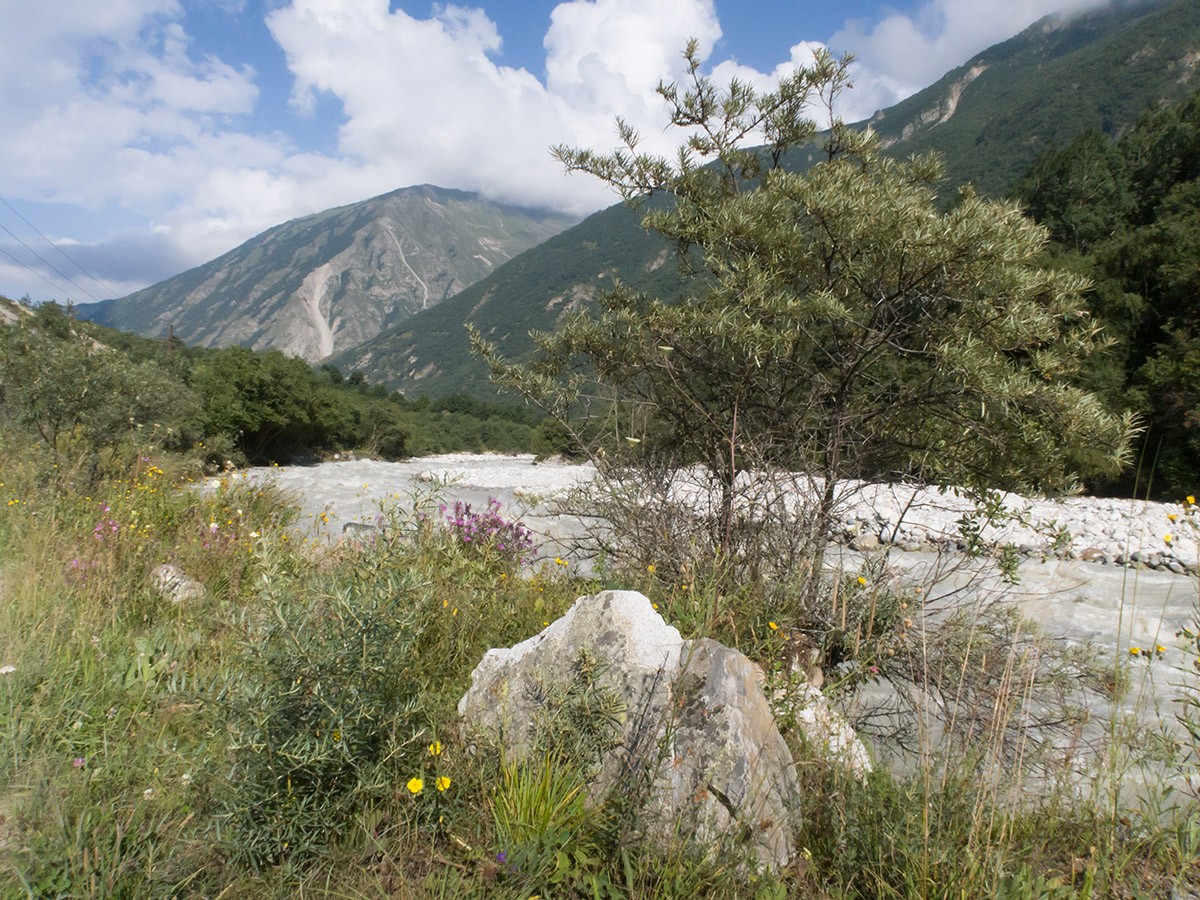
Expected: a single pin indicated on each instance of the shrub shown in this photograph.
(489, 537)
(325, 718)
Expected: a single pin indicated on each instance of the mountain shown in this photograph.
(331, 280)
(431, 354)
(1062, 76)
(988, 118)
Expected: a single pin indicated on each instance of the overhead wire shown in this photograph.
(28, 268)
(108, 287)
(46, 262)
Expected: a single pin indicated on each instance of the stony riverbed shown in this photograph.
(1141, 598)
(1104, 574)
(1158, 536)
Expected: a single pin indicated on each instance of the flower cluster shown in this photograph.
(416, 784)
(489, 530)
(77, 572)
(104, 528)
(1155, 652)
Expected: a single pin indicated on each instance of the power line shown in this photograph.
(75, 263)
(28, 268)
(47, 262)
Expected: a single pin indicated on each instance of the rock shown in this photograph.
(866, 541)
(695, 721)
(825, 729)
(360, 531)
(175, 586)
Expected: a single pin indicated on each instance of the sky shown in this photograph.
(143, 137)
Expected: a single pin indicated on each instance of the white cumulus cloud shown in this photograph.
(425, 100)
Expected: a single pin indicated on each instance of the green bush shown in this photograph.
(324, 716)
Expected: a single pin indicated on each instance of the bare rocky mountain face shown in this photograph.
(329, 281)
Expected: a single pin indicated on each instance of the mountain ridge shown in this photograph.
(335, 278)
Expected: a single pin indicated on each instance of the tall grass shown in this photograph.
(292, 731)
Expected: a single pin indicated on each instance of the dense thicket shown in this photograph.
(83, 391)
(1127, 215)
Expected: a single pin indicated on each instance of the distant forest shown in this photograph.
(79, 388)
(1126, 214)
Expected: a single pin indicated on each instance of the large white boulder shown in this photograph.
(696, 745)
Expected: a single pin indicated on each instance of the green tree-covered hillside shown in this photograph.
(1127, 215)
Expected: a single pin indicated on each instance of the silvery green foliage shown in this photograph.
(845, 322)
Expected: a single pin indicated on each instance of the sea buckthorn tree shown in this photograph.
(846, 321)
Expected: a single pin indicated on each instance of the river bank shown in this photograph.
(1140, 599)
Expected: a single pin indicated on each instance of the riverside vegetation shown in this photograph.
(83, 386)
(292, 730)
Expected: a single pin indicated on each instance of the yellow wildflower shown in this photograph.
(442, 783)
(415, 785)
(435, 749)
(773, 626)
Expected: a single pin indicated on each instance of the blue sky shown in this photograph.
(143, 137)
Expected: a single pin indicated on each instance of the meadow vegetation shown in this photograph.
(293, 732)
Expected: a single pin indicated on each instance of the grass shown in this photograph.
(293, 731)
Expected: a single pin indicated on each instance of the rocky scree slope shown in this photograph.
(334, 279)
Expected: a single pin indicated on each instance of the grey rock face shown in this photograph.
(697, 739)
(174, 585)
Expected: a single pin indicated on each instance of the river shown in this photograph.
(1107, 608)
